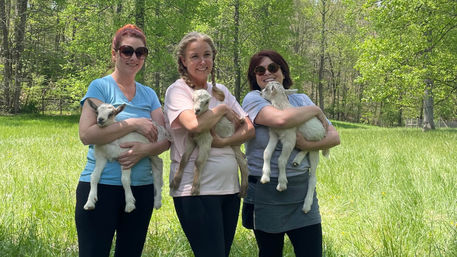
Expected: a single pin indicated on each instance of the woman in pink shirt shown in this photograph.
(209, 220)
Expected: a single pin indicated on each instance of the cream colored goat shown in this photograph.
(224, 128)
(312, 130)
(111, 151)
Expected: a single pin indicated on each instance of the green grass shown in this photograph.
(383, 192)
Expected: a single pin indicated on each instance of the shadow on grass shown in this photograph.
(35, 119)
(348, 125)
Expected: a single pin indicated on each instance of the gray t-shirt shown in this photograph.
(252, 104)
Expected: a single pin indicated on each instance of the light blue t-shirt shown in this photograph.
(143, 103)
(253, 102)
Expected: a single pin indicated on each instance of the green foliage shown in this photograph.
(375, 52)
(409, 42)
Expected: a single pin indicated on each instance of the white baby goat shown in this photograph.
(224, 128)
(105, 117)
(312, 130)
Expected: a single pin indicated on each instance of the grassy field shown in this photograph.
(383, 192)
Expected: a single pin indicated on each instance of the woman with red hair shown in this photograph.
(96, 228)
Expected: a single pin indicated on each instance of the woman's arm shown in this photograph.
(204, 122)
(245, 132)
(288, 118)
(138, 150)
(330, 140)
(91, 133)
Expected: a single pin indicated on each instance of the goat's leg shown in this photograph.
(313, 161)
(157, 173)
(203, 151)
(299, 158)
(129, 199)
(287, 148)
(266, 170)
(176, 181)
(94, 179)
(241, 160)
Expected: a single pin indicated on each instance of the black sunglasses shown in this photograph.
(272, 68)
(127, 51)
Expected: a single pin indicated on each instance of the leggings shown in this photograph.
(209, 222)
(307, 241)
(96, 227)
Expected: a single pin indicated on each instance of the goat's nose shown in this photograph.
(197, 111)
(100, 120)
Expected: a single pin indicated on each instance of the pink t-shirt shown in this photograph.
(220, 175)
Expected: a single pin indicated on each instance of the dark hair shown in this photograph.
(127, 30)
(257, 58)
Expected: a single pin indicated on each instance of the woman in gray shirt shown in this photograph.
(272, 214)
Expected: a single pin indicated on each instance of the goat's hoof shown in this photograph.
(281, 187)
(195, 191)
(265, 179)
(157, 205)
(242, 193)
(89, 206)
(174, 184)
(129, 207)
(306, 208)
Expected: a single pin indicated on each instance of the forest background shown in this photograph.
(378, 62)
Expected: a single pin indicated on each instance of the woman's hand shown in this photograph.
(147, 128)
(234, 118)
(218, 141)
(135, 152)
(301, 143)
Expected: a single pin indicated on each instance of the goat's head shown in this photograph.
(201, 99)
(105, 112)
(274, 90)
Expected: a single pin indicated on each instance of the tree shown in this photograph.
(399, 59)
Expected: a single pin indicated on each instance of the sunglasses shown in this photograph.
(272, 68)
(127, 52)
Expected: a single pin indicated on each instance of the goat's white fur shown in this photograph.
(312, 130)
(105, 117)
(224, 128)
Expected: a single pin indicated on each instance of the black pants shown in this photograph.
(96, 227)
(307, 241)
(209, 222)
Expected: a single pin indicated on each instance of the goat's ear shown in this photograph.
(120, 108)
(92, 104)
(291, 91)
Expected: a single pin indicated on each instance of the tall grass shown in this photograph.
(383, 192)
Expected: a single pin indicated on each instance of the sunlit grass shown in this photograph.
(383, 192)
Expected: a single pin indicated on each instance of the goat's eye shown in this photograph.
(110, 115)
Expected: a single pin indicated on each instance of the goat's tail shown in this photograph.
(326, 153)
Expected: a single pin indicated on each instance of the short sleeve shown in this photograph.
(253, 103)
(95, 90)
(177, 100)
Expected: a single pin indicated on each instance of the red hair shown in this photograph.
(129, 30)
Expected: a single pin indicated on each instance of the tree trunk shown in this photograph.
(139, 20)
(21, 14)
(322, 55)
(428, 106)
(236, 49)
(5, 52)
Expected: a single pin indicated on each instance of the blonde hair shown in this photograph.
(180, 53)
